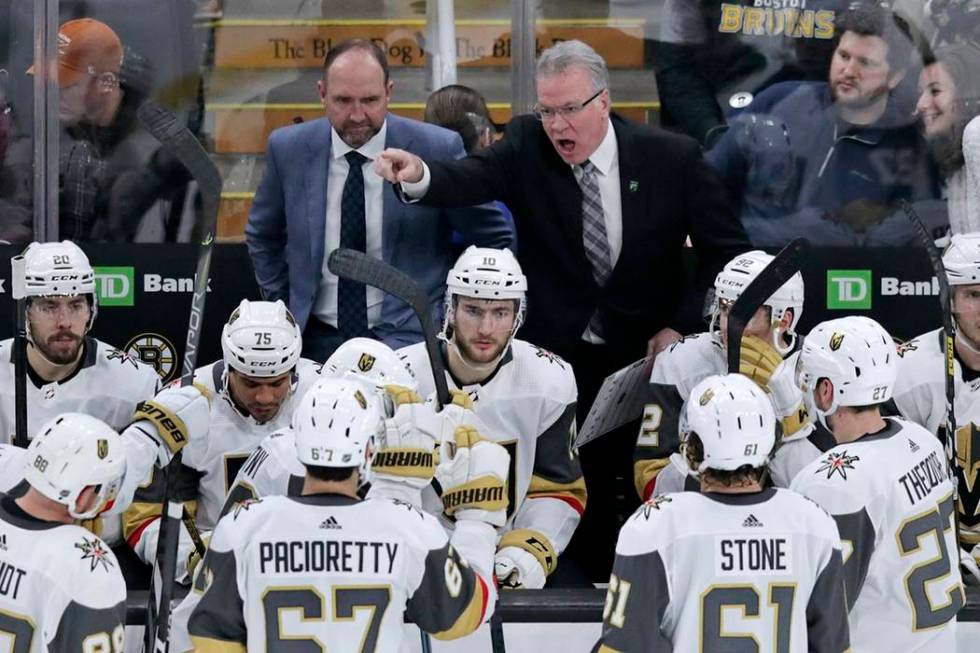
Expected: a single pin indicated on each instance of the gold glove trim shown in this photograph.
(405, 461)
(402, 395)
(170, 428)
(483, 493)
(535, 543)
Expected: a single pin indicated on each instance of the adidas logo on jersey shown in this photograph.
(913, 447)
(751, 522)
(330, 522)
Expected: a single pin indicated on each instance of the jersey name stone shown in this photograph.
(734, 555)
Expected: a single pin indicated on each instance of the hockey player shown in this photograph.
(63, 590)
(886, 485)
(325, 555)
(69, 371)
(525, 396)
(920, 390)
(737, 566)
(273, 468)
(256, 385)
(769, 337)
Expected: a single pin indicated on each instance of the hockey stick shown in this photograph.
(947, 436)
(786, 263)
(19, 293)
(182, 144)
(358, 266)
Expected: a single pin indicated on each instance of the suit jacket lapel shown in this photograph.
(631, 195)
(391, 208)
(317, 171)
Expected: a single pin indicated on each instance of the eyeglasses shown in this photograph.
(568, 111)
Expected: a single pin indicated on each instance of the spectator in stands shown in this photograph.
(949, 103)
(831, 160)
(15, 215)
(319, 193)
(98, 119)
(464, 110)
(602, 207)
(713, 57)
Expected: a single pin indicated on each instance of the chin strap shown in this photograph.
(960, 338)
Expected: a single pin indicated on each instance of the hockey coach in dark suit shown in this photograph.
(602, 207)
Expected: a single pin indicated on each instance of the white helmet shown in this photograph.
(740, 272)
(734, 419)
(962, 259)
(336, 424)
(59, 269)
(70, 453)
(261, 339)
(487, 273)
(856, 354)
(370, 361)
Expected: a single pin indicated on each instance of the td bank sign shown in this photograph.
(849, 289)
(114, 286)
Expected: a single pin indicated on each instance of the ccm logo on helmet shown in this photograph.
(66, 277)
(486, 282)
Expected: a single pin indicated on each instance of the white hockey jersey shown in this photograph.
(920, 395)
(211, 464)
(528, 406)
(727, 572)
(61, 590)
(792, 455)
(108, 384)
(893, 503)
(676, 371)
(328, 571)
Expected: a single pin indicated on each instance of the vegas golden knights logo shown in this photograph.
(366, 362)
(706, 397)
(102, 449)
(835, 341)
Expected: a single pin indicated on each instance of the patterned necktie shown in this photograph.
(352, 296)
(594, 226)
(594, 236)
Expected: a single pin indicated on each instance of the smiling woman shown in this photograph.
(949, 102)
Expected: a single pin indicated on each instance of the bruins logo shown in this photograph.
(156, 351)
(102, 448)
(706, 397)
(366, 362)
(836, 340)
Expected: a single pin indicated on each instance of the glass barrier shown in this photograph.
(268, 58)
(16, 143)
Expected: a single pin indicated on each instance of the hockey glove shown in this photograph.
(173, 416)
(524, 559)
(763, 364)
(473, 476)
(406, 453)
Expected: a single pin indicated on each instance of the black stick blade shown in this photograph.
(782, 268)
(357, 266)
